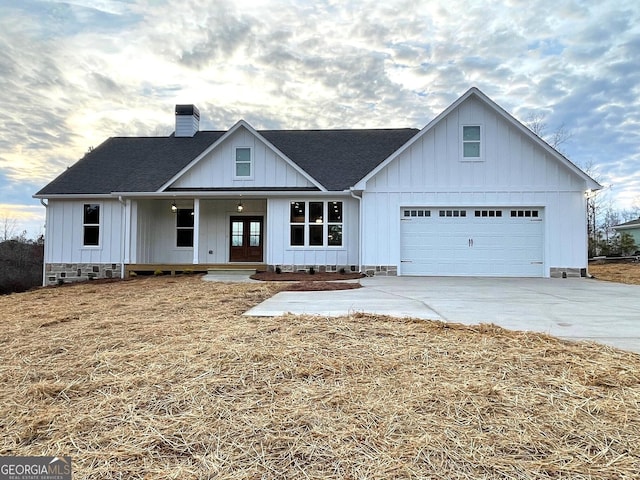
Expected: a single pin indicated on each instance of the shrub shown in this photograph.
(158, 272)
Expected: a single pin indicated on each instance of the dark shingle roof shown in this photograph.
(130, 164)
(338, 158)
(335, 158)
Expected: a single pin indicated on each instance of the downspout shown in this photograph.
(123, 221)
(44, 246)
(360, 231)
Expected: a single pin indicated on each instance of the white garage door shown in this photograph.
(472, 241)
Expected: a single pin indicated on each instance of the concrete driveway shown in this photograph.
(572, 308)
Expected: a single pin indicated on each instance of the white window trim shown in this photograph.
(462, 142)
(99, 225)
(235, 161)
(325, 226)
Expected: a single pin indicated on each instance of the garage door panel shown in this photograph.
(507, 243)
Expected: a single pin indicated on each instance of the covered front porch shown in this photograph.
(195, 234)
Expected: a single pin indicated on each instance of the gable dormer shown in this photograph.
(242, 158)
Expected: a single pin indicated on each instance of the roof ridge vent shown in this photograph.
(187, 120)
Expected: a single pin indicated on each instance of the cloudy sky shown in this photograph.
(73, 73)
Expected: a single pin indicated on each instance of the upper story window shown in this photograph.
(91, 225)
(243, 163)
(184, 227)
(471, 142)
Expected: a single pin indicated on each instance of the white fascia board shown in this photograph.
(231, 194)
(74, 196)
(591, 184)
(240, 123)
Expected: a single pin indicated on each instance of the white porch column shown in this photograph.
(196, 231)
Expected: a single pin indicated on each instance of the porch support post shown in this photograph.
(196, 230)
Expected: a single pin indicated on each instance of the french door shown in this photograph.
(246, 239)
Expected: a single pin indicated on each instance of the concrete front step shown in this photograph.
(233, 271)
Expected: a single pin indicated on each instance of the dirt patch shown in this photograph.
(305, 276)
(165, 378)
(620, 272)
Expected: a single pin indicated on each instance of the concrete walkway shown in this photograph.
(573, 308)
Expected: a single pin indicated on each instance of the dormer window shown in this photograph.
(471, 142)
(243, 163)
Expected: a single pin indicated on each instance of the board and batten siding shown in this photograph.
(64, 232)
(280, 252)
(514, 171)
(216, 170)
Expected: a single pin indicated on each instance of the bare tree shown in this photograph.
(537, 124)
(8, 226)
(610, 218)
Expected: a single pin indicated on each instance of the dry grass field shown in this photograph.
(616, 272)
(160, 378)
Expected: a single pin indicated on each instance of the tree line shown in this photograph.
(20, 264)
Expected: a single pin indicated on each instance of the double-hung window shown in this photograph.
(471, 142)
(91, 225)
(316, 224)
(184, 227)
(243, 163)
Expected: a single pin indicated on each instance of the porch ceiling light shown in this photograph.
(174, 207)
(240, 207)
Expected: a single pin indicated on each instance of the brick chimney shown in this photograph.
(187, 120)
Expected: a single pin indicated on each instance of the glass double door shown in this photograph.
(247, 234)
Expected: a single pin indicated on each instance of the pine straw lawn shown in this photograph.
(160, 378)
(628, 272)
